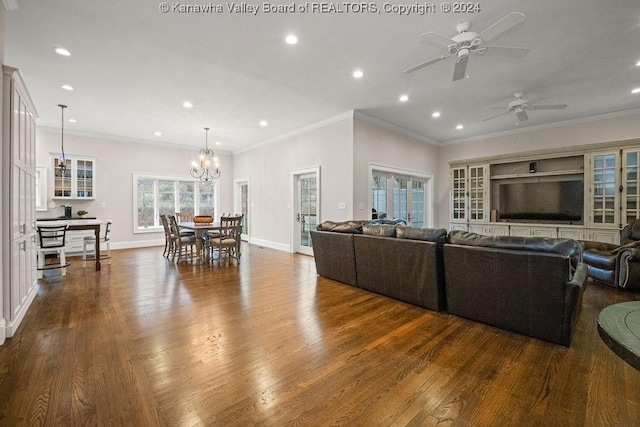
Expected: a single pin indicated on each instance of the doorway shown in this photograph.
(306, 208)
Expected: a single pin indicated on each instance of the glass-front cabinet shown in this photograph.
(630, 185)
(603, 191)
(468, 194)
(76, 180)
(477, 189)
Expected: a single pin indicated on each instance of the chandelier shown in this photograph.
(206, 169)
(63, 158)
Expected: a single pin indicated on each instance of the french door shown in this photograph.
(398, 196)
(306, 209)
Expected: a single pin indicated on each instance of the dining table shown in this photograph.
(199, 229)
(79, 225)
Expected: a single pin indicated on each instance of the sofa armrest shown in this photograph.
(628, 268)
(573, 301)
(600, 246)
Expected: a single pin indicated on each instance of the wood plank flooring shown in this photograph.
(145, 342)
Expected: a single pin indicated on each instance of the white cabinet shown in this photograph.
(469, 193)
(18, 194)
(75, 240)
(519, 230)
(576, 233)
(497, 230)
(76, 180)
(605, 235)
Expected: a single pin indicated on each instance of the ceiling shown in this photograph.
(132, 67)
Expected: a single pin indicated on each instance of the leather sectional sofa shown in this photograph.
(401, 262)
(532, 286)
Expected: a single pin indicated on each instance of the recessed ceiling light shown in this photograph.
(187, 104)
(62, 51)
(291, 39)
(435, 114)
(263, 123)
(157, 133)
(358, 74)
(66, 87)
(404, 98)
(638, 63)
(636, 90)
(73, 121)
(218, 143)
(459, 127)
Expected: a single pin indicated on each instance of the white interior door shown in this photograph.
(306, 208)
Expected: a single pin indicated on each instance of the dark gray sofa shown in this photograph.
(532, 286)
(401, 262)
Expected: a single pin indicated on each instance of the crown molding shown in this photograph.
(393, 128)
(96, 135)
(536, 128)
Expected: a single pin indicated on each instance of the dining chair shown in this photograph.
(183, 245)
(91, 241)
(169, 238)
(52, 240)
(226, 241)
(185, 217)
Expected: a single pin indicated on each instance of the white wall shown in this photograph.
(269, 167)
(381, 146)
(116, 161)
(600, 131)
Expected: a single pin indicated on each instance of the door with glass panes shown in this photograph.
(397, 196)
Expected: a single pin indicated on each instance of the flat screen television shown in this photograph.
(556, 201)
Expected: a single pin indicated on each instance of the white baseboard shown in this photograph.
(137, 244)
(12, 327)
(270, 244)
(3, 335)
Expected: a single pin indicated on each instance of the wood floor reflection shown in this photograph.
(145, 342)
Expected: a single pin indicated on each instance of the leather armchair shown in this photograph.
(616, 265)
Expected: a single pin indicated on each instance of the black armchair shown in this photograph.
(616, 265)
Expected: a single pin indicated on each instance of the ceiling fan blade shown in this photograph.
(435, 39)
(509, 23)
(460, 69)
(426, 63)
(522, 115)
(532, 101)
(497, 115)
(549, 107)
(509, 52)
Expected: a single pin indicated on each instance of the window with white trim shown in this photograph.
(155, 195)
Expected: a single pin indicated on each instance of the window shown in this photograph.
(399, 194)
(161, 195)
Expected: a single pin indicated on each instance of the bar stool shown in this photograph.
(91, 240)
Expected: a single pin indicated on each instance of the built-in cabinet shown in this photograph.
(610, 192)
(76, 180)
(18, 193)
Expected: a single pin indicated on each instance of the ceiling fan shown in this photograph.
(467, 41)
(520, 105)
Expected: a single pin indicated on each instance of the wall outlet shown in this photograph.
(360, 206)
(103, 205)
(342, 206)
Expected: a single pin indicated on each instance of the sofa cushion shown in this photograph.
(569, 247)
(382, 230)
(415, 233)
(353, 227)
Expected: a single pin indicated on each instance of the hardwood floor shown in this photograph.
(145, 342)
